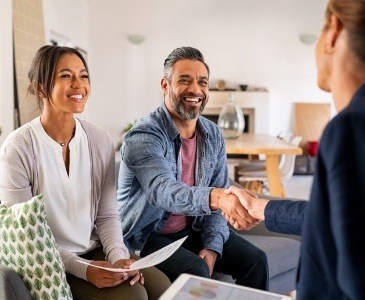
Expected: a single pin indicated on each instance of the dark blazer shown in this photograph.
(332, 263)
(285, 216)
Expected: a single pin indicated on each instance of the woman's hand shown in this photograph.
(135, 275)
(104, 278)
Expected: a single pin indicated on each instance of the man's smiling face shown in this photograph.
(188, 90)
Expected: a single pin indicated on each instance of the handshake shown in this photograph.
(241, 207)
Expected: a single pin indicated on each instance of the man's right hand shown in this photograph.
(232, 209)
(254, 205)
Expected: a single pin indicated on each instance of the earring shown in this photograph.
(328, 49)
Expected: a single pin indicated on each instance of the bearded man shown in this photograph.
(172, 178)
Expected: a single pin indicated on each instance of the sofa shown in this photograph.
(12, 286)
(282, 252)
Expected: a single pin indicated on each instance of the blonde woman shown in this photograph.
(332, 260)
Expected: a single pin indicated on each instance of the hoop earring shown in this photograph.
(328, 49)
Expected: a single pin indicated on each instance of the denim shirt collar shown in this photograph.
(173, 131)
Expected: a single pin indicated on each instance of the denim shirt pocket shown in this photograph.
(172, 161)
(173, 167)
(206, 171)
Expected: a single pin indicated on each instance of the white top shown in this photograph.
(19, 182)
(67, 204)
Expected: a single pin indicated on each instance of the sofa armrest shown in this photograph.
(263, 231)
(12, 286)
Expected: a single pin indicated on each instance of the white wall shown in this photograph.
(68, 22)
(68, 18)
(6, 69)
(244, 41)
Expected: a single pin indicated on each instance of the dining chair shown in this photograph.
(259, 164)
(286, 171)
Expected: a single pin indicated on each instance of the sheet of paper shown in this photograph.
(149, 260)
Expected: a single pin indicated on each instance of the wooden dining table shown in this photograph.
(272, 147)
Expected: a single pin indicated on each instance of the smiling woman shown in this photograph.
(59, 80)
(71, 163)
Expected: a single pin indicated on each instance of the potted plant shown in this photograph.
(124, 132)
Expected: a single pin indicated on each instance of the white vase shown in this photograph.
(231, 120)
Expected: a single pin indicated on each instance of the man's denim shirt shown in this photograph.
(149, 186)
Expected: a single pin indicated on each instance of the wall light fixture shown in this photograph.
(307, 38)
(136, 38)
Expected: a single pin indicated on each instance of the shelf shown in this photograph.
(225, 90)
(256, 101)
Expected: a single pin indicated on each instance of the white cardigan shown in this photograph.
(19, 183)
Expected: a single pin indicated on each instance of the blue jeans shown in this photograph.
(246, 263)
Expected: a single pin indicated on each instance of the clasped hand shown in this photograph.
(103, 278)
(238, 212)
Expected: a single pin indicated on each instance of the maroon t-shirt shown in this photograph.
(178, 222)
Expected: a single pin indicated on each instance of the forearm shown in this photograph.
(215, 232)
(109, 226)
(111, 237)
(216, 198)
(285, 216)
(72, 266)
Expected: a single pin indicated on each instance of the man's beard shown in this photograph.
(188, 113)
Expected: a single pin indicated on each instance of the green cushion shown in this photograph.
(27, 246)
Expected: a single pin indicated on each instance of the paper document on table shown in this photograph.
(149, 260)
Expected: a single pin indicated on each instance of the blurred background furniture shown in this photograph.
(257, 162)
(272, 148)
(286, 170)
(309, 121)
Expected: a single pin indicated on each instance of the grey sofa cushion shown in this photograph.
(12, 286)
(282, 253)
(283, 256)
